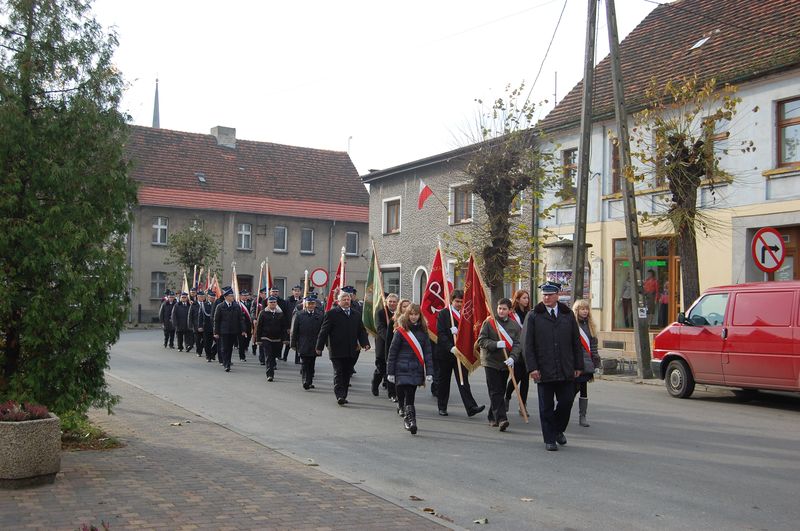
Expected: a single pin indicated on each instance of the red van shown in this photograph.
(745, 336)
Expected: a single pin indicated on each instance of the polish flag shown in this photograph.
(424, 193)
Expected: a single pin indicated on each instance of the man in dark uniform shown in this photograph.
(180, 319)
(345, 335)
(165, 318)
(293, 304)
(554, 357)
(190, 335)
(384, 328)
(228, 326)
(220, 300)
(305, 330)
(244, 341)
(194, 321)
(270, 335)
(205, 325)
(355, 305)
(447, 361)
(258, 304)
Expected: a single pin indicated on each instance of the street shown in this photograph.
(648, 461)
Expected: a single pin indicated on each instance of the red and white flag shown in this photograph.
(433, 300)
(424, 193)
(338, 283)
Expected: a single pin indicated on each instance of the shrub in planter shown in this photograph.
(30, 445)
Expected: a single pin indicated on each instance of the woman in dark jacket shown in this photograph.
(520, 306)
(591, 359)
(403, 367)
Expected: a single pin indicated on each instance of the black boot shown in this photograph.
(376, 382)
(410, 422)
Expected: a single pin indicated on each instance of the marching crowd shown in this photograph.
(552, 344)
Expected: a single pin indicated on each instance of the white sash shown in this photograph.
(505, 337)
(516, 317)
(585, 341)
(414, 342)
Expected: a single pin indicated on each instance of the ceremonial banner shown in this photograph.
(373, 295)
(433, 300)
(474, 313)
(337, 283)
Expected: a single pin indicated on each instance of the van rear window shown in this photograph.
(763, 308)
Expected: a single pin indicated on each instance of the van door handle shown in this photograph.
(724, 333)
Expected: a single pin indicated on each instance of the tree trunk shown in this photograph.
(495, 256)
(687, 248)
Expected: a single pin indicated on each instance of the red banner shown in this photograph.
(433, 300)
(474, 313)
(337, 283)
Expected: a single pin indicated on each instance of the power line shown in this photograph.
(727, 23)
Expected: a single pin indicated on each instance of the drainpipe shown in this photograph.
(330, 251)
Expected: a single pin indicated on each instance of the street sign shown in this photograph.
(768, 250)
(319, 277)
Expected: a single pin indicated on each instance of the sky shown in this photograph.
(388, 82)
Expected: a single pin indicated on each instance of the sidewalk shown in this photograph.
(199, 475)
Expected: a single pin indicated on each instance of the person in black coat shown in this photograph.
(165, 318)
(409, 363)
(521, 305)
(554, 357)
(345, 335)
(307, 324)
(446, 359)
(194, 314)
(382, 327)
(205, 325)
(270, 335)
(293, 303)
(190, 335)
(228, 326)
(244, 341)
(180, 320)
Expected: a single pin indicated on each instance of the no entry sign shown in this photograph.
(768, 250)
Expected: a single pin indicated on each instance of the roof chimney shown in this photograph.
(226, 136)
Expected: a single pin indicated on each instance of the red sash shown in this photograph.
(585, 341)
(504, 337)
(415, 346)
(516, 317)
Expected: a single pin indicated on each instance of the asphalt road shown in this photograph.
(648, 461)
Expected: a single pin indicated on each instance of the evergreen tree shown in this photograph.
(66, 203)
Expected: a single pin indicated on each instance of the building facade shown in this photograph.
(295, 207)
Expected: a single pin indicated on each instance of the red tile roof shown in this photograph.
(747, 39)
(258, 177)
(198, 199)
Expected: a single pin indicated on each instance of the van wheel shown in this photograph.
(679, 380)
(745, 395)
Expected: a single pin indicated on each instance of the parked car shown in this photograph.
(745, 336)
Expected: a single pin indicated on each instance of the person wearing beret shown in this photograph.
(180, 320)
(554, 358)
(305, 330)
(270, 335)
(228, 326)
(292, 305)
(165, 318)
(344, 334)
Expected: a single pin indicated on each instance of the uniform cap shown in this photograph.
(550, 287)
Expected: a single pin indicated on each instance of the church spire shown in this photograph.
(156, 123)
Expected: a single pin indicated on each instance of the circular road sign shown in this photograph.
(319, 277)
(768, 250)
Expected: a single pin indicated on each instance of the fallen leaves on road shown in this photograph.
(176, 424)
(428, 510)
(481, 521)
(311, 462)
(414, 498)
(526, 499)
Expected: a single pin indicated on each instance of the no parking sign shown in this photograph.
(768, 250)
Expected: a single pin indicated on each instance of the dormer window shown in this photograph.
(201, 177)
(699, 43)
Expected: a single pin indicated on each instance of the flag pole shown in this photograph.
(447, 307)
(522, 407)
(305, 284)
(380, 281)
(194, 277)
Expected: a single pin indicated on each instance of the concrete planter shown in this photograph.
(30, 452)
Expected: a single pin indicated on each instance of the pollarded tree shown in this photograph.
(675, 137)
(66, 203)
(192, 246)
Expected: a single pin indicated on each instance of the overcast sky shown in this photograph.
(399, 78)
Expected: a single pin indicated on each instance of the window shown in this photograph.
(789, 132)
(569, 168)
(280, 240)
(459, 276)
(462, 204)
(391, 216)
(351, 244)
(709, 311)
(306, 241)
(616, 168)
(244, 233)
(160, 226)
(391, 280)
(158, 284)
(280, 283)
(766, 308)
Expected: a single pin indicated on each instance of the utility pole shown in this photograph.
(640, 319)
(584, 148)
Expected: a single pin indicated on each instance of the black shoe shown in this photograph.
(393, 398)
(341, 401)
(551, 447)
(180, 349)
(503, 425)
(270, 378)
(473, 412)
(227, 369)
(165, 346)
(200, 355)
(284, 359)
(493, 424)
(311, 386)
(209, 360)
(560, 439)
(443, 412)
(305, 386)
(262, 362)
(172, 347)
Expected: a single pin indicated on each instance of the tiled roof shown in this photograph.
(258, 177)
(200, 200)
(747, 39)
